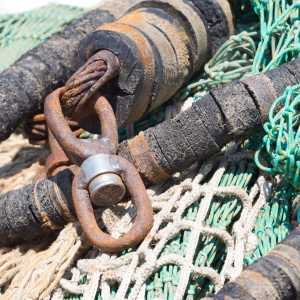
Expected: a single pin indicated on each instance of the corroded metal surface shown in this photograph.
(144, 217)
(79, 100)
(37, 133)
(77, 150)
(56, 161)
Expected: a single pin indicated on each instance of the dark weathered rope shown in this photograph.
(79, 84)
(24, 85)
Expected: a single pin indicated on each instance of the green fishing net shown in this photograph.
(21, 32)
(267, 36)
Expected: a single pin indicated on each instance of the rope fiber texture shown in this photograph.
(79, 84)
(193, 247)
(280, 145)
(280, 29)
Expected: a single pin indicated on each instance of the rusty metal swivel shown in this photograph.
(102, 172)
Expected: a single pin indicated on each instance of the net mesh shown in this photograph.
(209, 221)
(203, 228)
(21, 32)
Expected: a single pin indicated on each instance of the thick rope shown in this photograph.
(77, 87)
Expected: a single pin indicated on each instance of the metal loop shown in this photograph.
(144, 213)
(78, 150)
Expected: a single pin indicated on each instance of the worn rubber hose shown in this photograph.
(273, 277)
(160, 45)
(24, 85)
(36, 209)
(232, 112)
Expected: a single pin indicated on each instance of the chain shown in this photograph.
(103, 174)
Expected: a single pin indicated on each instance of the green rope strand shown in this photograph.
(273, 223)
(281, 142)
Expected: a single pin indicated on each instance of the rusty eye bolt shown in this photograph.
(103, 174)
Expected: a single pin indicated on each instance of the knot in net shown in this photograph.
(281, 144)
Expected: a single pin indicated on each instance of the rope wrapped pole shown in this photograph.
(160, 46)
(232, 112)
(275, 276)
(24, 85)
(36, 209)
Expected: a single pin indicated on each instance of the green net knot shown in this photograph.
(280, 145)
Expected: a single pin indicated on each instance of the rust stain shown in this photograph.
(144, 159)
(144, 217)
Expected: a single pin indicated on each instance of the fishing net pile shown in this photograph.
(210, 221)
(21, 32)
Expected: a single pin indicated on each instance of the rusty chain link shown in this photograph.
(102, 171)
(36, 129)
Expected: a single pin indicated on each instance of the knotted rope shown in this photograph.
(281, 141)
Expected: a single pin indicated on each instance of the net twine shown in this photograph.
(21, 32)
(155, 252)
(273, 220)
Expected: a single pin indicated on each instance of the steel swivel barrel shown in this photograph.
(160, 45)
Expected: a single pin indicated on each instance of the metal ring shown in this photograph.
(78, 150)
(144, 213)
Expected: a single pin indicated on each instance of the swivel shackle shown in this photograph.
(103, 175)
(105, 186)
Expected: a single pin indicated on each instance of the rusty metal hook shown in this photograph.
(144, 214)
(80, 151)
